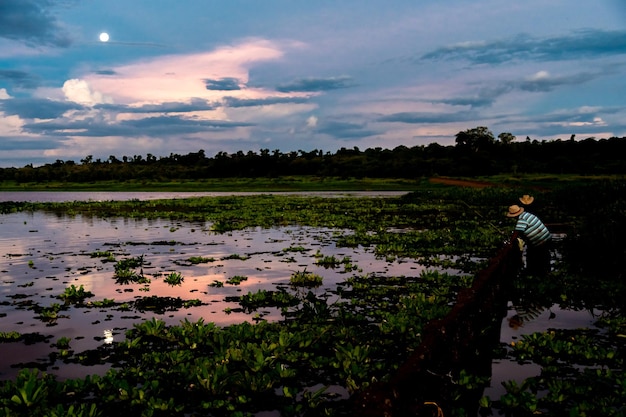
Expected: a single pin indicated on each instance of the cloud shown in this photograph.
(267, 101)
(468, 101)
(26, 143)
(427, 117)
(542, 81)
(79, 91)
(19, 78)
(599, 121)
(316, 84)
(37, 108)
(575, 117)
(31, 22)
(149, 126)
(179, 124)
(179, 77)
(142, 44)
(223, 84)
(192, 105)
(580, 44)
(341, 129)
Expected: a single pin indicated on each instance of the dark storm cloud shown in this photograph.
(19, 78)
(588, 43)
(222, 84)
(167, 107)
(150, 126)
(37, 108)
(31, 22)
(238, 102)
(316, 84)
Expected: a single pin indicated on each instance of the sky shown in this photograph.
(180, 76)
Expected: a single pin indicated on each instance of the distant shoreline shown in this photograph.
(305, 184)
(261, 184)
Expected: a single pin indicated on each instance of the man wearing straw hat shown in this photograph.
(537, 238)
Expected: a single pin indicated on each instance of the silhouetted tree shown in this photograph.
(506, 138)
(475, 139)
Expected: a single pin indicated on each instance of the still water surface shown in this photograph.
(42, 254)
(62, 196)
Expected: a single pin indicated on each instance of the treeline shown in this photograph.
(476, 152)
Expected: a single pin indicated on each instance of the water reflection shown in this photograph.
(108, 337)
(63, 196)
(42, 255)
(552, 317)
(534, 307)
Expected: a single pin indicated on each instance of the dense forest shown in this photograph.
(476, 152)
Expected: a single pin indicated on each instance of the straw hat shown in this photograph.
(515, 211)
(526, 199)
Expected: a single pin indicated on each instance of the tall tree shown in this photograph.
(475, 139)
(506, 138)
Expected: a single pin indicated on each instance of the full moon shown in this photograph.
(104, 37)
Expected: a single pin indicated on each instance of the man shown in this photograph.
(537, 238)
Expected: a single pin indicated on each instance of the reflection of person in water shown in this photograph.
(526, 314)
(526, 200)
(537, 238)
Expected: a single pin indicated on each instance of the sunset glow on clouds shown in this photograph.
(228, 76)
(177, 78)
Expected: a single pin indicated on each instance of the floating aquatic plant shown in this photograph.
(174, 278)
(125, 272)
(265, 298)
(236, 256)
(305, 279)
(74, 294)
(50, 314)
(63, 342)
(200, 259)
(236, 279)
(9, 336)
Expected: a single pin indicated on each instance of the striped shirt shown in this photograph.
(533, 229)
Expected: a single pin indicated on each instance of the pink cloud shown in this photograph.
(181, 77)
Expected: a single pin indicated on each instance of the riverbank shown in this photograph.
(304, 183)
(300, 183)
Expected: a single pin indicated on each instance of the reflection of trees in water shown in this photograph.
(587, 274)
(526, 313)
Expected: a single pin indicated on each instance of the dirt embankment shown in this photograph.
(462, 183)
